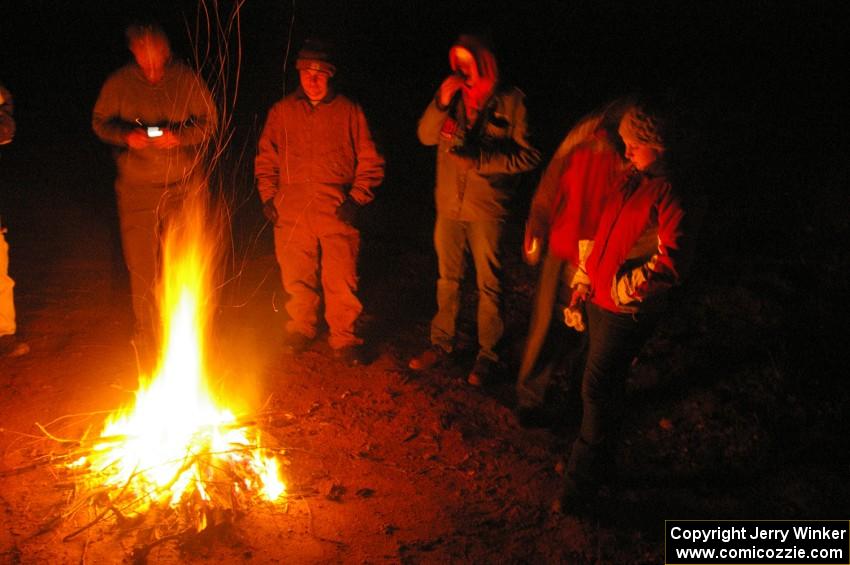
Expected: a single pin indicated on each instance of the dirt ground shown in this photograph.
(734, 410)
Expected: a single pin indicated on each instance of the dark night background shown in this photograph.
(759, 80)
(765, 116)
(764, 107)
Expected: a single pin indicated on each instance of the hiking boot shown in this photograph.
(10, 346)
(432, 357)
(296, 342)
(482, 372)
(351, 355)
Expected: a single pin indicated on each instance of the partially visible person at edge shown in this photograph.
(479, 127)
(564, 215)
(10, 345)
(159, 116)
(642, 247)
(316, 166)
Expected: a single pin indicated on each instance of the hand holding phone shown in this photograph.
(165, 139)
(138, 139)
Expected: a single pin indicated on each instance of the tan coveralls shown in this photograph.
(310, 158)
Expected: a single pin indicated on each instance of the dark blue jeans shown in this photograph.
(615, 339)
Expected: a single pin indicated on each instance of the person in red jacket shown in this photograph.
(564, 214)
(316, 166)
(642, 247)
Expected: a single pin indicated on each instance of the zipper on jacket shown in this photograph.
(628, 189)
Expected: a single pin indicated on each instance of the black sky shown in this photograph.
(762, 78)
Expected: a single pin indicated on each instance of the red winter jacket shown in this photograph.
(641, 247)
(590, 175)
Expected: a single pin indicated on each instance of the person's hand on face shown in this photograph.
(451, 85)
(467, 68)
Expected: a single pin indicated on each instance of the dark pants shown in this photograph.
(615, 339)
(143, 210)
(482, 238)
(313, 241)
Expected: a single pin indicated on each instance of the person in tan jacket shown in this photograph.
(316, 166)
(479, 128)
(159, 116)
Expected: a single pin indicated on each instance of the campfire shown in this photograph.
(175, 462)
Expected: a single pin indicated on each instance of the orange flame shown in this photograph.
(174, 423)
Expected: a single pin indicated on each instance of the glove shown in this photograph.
(270, 211)
(347, 211)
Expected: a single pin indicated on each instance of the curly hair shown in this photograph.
(643, 126)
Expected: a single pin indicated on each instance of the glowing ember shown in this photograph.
(174, 443)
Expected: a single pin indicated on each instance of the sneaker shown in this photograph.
(351, 355)
(482, 372)
(432, 357)
(296, 342)
(10, 346)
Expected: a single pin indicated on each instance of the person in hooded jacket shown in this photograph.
(316, 166)
(479, 127)
(643, 246)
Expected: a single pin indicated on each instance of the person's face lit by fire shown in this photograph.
(466, 66)
(152, 53)
(645, 157)
(314, 83)
(641, 156)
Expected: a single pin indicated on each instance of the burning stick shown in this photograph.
(226, 483)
